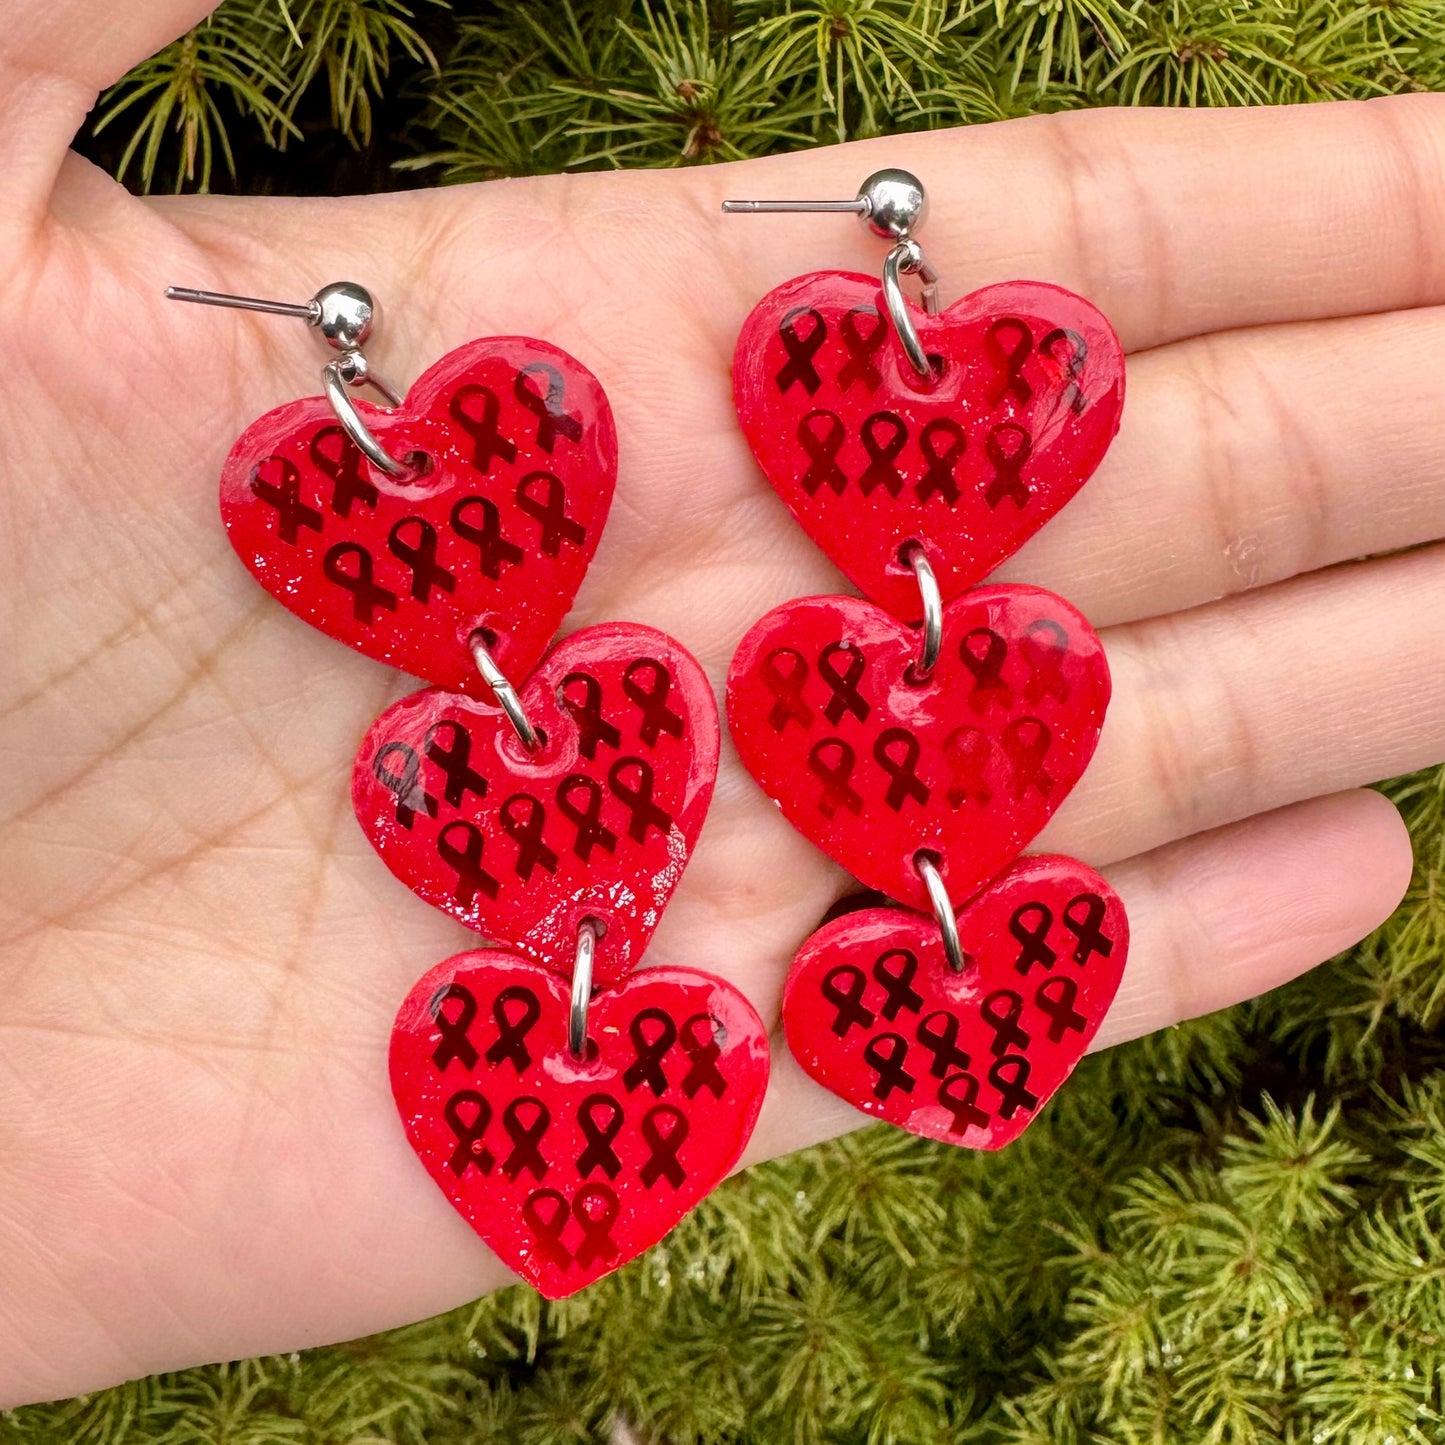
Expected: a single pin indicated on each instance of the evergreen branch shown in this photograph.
(1187, 1246)
(352, 42)
(176, 91)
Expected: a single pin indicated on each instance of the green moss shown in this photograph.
(1230, 1232)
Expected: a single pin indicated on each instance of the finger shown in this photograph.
(1244, 459)
(1217, 714)
(1213, 920)
(54, 60)
(1292, 692)
(1198, 498)
(1174, 222)
(1250, 457)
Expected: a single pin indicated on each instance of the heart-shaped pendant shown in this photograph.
(516, 457)
(597, 824)
(875, 767)
(970, 465)
(873, 1012)
(568, 1167)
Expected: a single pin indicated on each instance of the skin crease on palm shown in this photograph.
(200, 957)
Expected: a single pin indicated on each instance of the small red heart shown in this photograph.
(599, 823)
(970, 465)
(874, 767)
(570, 1167)
(873, 1012)
(495, 535)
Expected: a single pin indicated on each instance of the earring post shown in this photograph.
(302, 311)
(858, 206)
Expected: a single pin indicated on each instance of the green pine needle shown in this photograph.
(1229, 1233)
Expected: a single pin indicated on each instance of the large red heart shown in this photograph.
(971, 465)
(494, 536)
(875, 767)
(569, 1167)
(873, 1012)
(598, 823)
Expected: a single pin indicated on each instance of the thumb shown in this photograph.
(55, 58)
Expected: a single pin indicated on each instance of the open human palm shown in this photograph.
(200, 957)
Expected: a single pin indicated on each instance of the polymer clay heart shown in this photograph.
(599, 823)
(873, 1012)
(518, 456)
(875, 767)
(569, 1167)
(971, 465)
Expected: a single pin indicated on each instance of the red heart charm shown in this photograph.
(495, 534)
(569, 1167)
(971, 465)
(598, 823)
(873, 1012)
(874, 767)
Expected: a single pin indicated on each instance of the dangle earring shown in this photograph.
(571, 1110)
(923, 737)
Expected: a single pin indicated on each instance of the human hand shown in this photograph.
(200, 957)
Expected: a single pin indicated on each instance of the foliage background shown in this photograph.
(1232, 1232)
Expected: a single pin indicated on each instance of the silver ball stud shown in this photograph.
(345, 314)
(896, 203)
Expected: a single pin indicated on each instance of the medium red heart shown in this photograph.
(874, 767)
(569, 1167)
(873, 1012)
(598, 823)
(971, 465)
(495, 535)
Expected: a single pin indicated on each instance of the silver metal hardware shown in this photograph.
(344, 315)
(917, 558)
(581, 988)
(506, 694)
(892, 204)
(942, 911)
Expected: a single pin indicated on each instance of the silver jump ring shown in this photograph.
(581, 988)
(907, 258)
(917, 558)
(352, 369)
(506, 694)
(344, 315)
(942, 911)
